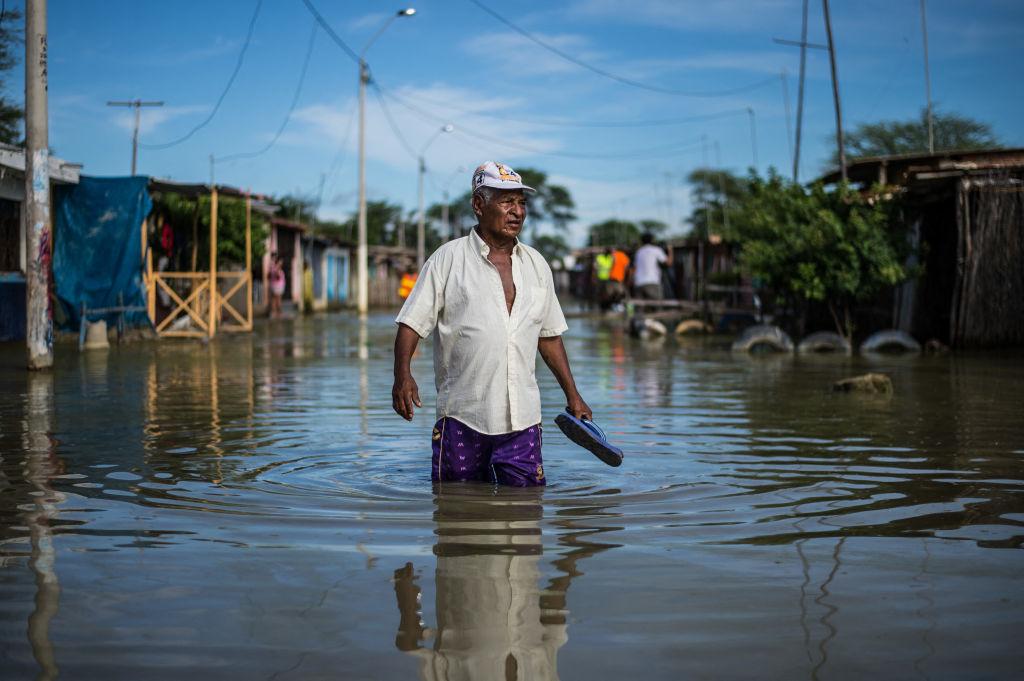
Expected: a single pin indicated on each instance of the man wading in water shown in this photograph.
(490, 301)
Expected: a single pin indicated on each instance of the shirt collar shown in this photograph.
(481, 247)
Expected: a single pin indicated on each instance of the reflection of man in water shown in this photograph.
(493, 620)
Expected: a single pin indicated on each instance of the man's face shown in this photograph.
(504, 214)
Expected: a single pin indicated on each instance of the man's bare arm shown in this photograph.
(553, 353)
(405, 394)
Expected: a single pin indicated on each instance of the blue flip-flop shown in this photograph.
(589, 435)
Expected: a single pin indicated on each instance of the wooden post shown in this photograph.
(212, 331)
(248, 260)
(150, 288)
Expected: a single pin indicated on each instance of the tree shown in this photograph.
(811, 245)
(551, 246)
(190, 219)
(885, 138)
(716, 194)
(552, 203)
(11, 114)
(621, 233)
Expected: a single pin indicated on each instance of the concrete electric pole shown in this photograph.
(136, 104)
(38, 271)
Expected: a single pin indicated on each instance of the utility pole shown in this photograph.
(136, 104)
(785, 101)
(927, 83)
(835, 92)
(803, 45)
(362, 251)
(38, 272)
(753, 133)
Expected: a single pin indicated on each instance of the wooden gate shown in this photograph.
(201, 301)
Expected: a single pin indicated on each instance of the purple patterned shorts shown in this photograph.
(461, 454)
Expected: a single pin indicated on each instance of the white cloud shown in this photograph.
(476, 134)
(515, 54)
(728, 15)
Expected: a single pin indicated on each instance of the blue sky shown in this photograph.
(508, 98)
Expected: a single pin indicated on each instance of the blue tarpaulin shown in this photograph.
(97, 245)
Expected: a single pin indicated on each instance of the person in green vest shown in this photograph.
(603, 263)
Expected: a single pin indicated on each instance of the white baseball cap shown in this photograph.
(498, 176)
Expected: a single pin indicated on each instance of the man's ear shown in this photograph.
(475, 203)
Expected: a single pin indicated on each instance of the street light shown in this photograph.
(362, 253)
(421, 245)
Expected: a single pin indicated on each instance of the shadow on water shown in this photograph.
(250, 505)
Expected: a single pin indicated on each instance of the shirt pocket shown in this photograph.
(537, 304)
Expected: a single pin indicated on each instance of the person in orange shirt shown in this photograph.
(617, 277)
(405, 285)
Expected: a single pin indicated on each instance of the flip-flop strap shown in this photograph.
(594, 428)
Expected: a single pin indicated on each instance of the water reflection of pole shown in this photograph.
(364, 378)
(39, 453)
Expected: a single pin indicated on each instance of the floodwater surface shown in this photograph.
(252, 508)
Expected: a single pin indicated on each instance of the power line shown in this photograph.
(291, 107)
(584, 124)
(227, 88)
(330, 31)
(391, 122)
(463, 130)
(612, 76)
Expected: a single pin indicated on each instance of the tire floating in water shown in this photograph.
(890, 340)
(763, 336)
(824, 341)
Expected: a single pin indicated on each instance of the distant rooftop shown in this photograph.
(899, 169)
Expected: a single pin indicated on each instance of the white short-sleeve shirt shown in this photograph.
(484, 356)
(646, 262)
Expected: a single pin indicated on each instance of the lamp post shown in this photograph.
(362, 253)
(421, 245)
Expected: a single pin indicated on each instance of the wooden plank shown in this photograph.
(182, 305)
(248, 259)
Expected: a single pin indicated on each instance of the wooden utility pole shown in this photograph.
(803, 45)
(835, 92)
(927, 82)
(136, 104)
(38, 268)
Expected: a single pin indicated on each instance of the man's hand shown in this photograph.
(578, 408)
(404, 395)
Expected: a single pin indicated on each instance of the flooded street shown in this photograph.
(253, 509)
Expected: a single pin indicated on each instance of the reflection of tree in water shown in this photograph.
(493, 619)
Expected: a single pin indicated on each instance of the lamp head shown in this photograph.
(448, 128)
(407, 12)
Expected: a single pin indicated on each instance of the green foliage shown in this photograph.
(885, 138)
(621, 233)
(11, 113)
(552, 246)
(552, 203)
(811, 245)
(183, 212)
(716, 196)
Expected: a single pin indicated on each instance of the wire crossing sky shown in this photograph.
(603, 95)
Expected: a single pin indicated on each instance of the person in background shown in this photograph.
(277, 282)
(647, 264)
(602, 274)
(408, 281)
(617, 277)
